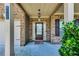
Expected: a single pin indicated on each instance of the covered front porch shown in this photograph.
(38, 24)
(31, 35)
(40, 37)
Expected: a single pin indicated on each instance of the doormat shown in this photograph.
(39, 42)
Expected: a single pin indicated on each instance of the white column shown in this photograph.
(7, 33)
(7, 38)
(68, 12)
(44, 30)
(33, 30)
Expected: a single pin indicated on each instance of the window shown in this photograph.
(39, 29)
(57, 27)
(7, 12)
(77, 22)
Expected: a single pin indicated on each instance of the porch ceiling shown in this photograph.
(76, 9)
(46, 8)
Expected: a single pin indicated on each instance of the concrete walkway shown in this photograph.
(32, 49)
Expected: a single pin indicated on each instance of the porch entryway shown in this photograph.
(38, 47)
(39, 31)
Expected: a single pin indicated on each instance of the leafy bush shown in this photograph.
(70, 40)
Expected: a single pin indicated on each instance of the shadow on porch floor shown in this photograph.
(32, 49)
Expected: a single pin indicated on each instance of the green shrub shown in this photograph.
(70, 40)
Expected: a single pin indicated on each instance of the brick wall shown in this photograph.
(19, 15)
(55, 39)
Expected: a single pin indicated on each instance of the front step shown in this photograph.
(38, 41)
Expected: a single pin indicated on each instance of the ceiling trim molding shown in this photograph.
(19, 4)
(76, 13)
(56, 8)
(59, 14)
(40, 17)
(63, 14)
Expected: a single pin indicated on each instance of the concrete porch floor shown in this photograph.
(32, 49)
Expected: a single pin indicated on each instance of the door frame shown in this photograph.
(33, 30)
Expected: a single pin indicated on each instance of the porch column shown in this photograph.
(12, 53)
(68, 12)
(9, 31)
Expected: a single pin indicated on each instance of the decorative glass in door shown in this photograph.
(39, 31)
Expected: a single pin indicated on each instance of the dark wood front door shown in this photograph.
(39, 31)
